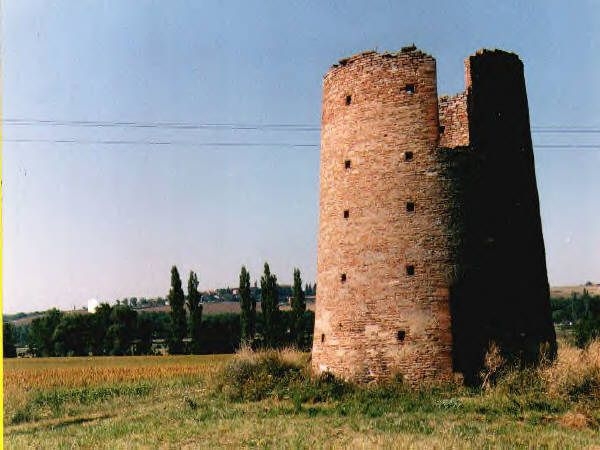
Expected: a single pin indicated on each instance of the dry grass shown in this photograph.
(170, 402)
(288, 355)
(574, 420)
(492, 364)
(567, 390)
(575, 373)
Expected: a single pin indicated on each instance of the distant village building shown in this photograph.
(92, 305)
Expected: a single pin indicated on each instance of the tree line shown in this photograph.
(121, 330)
(579, 313)
(275, 331)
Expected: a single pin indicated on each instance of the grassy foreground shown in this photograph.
(267, 402)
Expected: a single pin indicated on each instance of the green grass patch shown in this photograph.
(56, 400)
(271, 401)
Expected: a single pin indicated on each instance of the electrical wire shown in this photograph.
(232, 144)
(235, 126)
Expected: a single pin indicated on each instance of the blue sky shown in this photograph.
(108, 221)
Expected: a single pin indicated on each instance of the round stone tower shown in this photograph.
(384, 258)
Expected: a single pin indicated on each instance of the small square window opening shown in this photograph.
(410, 206)
(410, 270)
(401, 335)
(408, 156)
(409, 88)
(346, 213)
(348, 99)
(343, 278)
(347, 164)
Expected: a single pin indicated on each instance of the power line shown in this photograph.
(175, 125)
(565, 130)
(230, 144)
(588, 146)
(232, 126)
(164, 125)
(569, 126)
(160, 143)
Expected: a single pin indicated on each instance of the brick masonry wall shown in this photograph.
(380, 320)
(454, 121)
(462, 212)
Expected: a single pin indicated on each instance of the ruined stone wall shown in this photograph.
(384, 260)
(430, 241)
(454, 121)
(502, 292)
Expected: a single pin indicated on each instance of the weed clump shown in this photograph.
(569, 385)
(576, 373)
(254, 376)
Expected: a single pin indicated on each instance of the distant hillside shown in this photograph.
(567, 291)
(227, 307)
(27, 318)
(209, 309)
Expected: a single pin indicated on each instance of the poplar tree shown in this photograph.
(269, 306)
(178, 320)
(195, 308)
(8, 340)
(248, 309)
(298, 309)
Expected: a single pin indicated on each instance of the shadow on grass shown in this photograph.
(54, 424)
(55, 400)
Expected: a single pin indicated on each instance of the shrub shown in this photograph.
(277, 373)
(257, 375)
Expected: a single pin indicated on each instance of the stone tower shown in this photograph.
(408, 271)
(384, 268)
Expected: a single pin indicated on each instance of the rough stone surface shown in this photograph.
(395, 260)
(454, 121)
